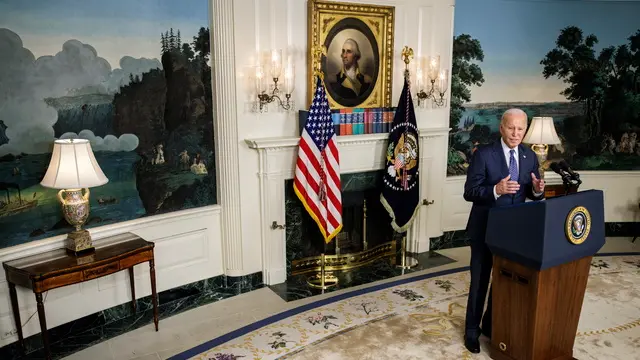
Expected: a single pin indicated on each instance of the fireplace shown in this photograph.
(361, 158)
(366, 250)
(366, 235)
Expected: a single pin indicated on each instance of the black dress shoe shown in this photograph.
(473, 345)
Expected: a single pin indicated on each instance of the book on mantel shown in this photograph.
(356, 121)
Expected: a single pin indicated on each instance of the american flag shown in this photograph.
(317, 177)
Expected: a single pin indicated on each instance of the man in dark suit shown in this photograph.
(500, 174)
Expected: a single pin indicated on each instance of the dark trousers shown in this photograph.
(481, 263)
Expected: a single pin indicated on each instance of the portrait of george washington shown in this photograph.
(352, 62)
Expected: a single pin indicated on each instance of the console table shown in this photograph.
(57, 268)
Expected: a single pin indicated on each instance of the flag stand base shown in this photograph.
(407, 261)
(323, 280)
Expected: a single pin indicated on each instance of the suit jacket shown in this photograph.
(488, 166)
(343, 88)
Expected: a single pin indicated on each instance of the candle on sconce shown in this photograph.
(434, 68)
(276, 63)
(419, 79)
(443, 81)
(289, 76)
(261, 84)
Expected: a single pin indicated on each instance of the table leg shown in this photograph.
(16, 315)
(43, 326)
(133, 289)
(154, 295)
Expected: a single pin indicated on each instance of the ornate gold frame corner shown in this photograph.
(380, 20)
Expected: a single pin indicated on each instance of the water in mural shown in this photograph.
(133, 77)
(563, 59)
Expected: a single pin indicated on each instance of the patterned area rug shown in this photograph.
(425, 320)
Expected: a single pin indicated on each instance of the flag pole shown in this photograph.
(322, 279)
(365, 244)
(406, 261)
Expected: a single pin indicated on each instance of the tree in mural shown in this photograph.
(202, 47)
(574, 60)
(188, 51)
(464, 73)
(622, 98)
(607, 84)
(171, 42)
(197, 52)
(201, 44)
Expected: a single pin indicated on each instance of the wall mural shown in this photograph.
(562, 59)
(133, 77)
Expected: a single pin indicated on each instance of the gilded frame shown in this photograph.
(372, 28)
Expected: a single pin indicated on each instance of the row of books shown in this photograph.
(357, 121)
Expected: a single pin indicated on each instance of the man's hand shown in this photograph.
(506, 186)
(538, 184)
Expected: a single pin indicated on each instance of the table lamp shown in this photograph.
(541, 134)
(74, 169)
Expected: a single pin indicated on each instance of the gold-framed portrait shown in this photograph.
(358, 64)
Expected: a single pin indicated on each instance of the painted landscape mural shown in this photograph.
(576, 61)
(133, 77)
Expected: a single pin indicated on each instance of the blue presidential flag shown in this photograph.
(401, 189)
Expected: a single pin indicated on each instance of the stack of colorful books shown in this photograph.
(357, 121)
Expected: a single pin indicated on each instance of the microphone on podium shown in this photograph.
(574, 175)
(566, 177)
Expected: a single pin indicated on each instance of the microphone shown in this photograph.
(574, 175)
(566, 177)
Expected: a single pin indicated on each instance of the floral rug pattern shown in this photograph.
(425, 320)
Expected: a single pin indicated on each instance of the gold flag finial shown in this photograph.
(407, 55)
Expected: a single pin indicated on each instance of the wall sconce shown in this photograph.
(429, 77)
(276, 70)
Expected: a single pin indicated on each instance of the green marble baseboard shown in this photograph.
(106, 324)
(449, 240)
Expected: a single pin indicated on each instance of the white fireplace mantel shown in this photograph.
(358, 153)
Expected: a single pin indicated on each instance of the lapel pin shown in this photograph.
(524, 156)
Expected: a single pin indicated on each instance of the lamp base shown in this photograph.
(541, 151)
(79, 242)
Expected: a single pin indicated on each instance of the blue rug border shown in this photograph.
(302, 308)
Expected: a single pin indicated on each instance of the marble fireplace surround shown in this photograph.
(277, 157)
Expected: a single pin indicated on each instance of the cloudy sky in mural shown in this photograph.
(52, 49)
(114, 28)
(516, 34)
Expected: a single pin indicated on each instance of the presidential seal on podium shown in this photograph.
(578, 225)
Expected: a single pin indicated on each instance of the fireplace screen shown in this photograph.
(366, 234)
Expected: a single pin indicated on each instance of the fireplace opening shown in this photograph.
(366, 225)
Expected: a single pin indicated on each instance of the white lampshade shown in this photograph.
(73, 166)
(542, 131)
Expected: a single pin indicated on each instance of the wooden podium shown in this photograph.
(542, 256)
